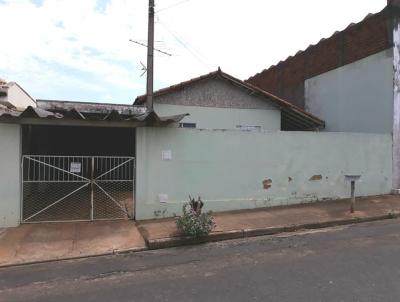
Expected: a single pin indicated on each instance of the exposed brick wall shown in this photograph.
(357, 41)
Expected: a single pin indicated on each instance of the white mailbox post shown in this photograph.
(352, 179)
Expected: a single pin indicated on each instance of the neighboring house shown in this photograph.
(346, 79)
(350, 80)
(14, 96)
(220, 101)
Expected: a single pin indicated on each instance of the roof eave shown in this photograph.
(73, 116)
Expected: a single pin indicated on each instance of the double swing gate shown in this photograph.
(77, 188)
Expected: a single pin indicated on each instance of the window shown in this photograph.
(187, 125)
(248, 128)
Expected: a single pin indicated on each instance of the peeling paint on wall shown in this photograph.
(267, 183)
(315, 177)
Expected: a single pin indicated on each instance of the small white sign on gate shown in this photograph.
(75, 167)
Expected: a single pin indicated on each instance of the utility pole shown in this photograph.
(150, 58)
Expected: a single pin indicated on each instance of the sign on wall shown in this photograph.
(75, 167)
(166, 155)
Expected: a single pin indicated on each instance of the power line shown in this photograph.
(171, 6)
(186, 45)
(142, 44)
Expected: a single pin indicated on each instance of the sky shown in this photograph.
(79, 50)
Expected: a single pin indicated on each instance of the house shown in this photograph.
(14, 96)
(228, 141)
(349, 79)
(220, 101)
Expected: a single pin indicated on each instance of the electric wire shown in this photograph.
(185, 45)
(171, 6)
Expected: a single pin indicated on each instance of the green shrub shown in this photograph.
(193, 222)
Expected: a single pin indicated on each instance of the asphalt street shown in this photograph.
(350, 263)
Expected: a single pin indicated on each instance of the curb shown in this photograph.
(113, 252)
(168, 242)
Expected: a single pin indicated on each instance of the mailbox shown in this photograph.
(352, 179)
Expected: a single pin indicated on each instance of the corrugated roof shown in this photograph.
(4, 110)
(89, 107)
(293, 117)
(146, 118)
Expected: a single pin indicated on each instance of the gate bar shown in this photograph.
(91, 193)
(105, 173)
(57, 168)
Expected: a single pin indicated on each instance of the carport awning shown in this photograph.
(141, 119)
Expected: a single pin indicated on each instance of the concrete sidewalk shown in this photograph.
(246, 223)
(29, 243)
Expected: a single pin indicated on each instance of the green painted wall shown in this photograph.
(227, 168)
(224, 118)
(10, 181)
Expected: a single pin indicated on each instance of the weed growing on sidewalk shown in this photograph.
(393, 214)
(193, 222)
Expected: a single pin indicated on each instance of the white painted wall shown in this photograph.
(357, 97)
(10, 182)
(227, 168)
(18, 97)
(224, 118)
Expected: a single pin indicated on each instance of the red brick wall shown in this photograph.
(357, 41)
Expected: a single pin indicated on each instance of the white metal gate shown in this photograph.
(77, 188)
